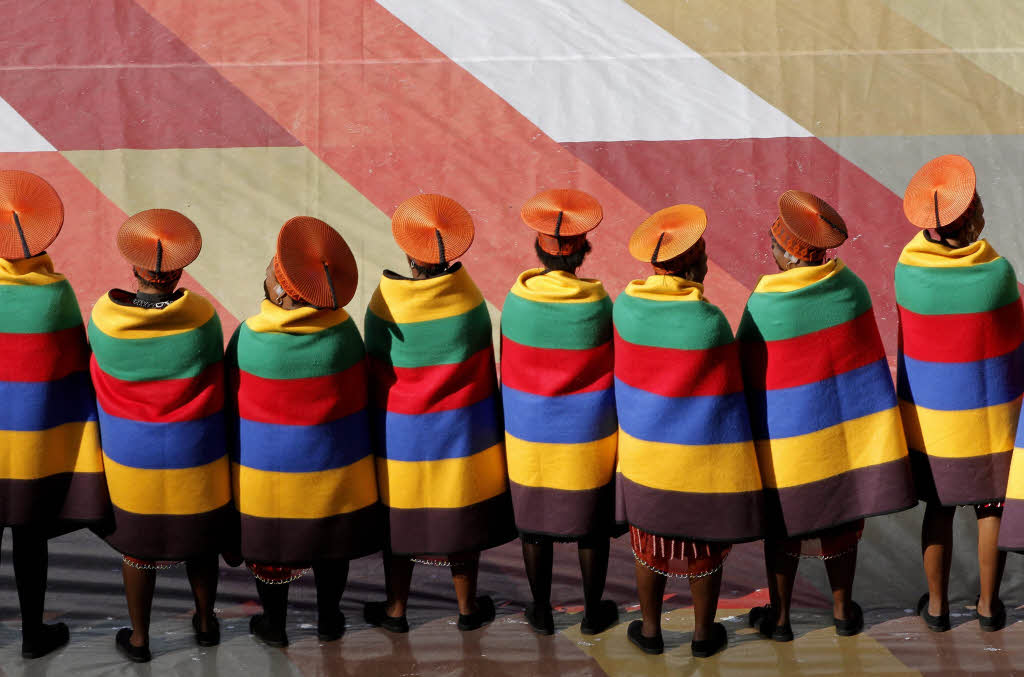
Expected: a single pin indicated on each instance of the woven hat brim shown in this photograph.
(39, 210)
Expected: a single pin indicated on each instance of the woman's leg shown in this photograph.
(781, 569)
(841, 571)
(203, 573)
(650, 586)
(274, 599)
(704, 591)
(330, 576)
(937, 553)
(593, 556)
(30, 565)
(991, 560)
(138, 592)
(465, 570)
(397, 581)
(538, 557)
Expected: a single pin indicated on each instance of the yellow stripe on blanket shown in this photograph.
(30, 454)
(954, 434)
(177, 491)
(304, 495)
(422, 300)
(703, 469)
(130, 322)
(792, 461)
(571, 466)
(448, 483)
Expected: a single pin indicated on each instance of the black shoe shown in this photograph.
(44, 640)
(651, 645)
(542, 622)
(935, 623)
(994, 622)
(209, 638)
(136, 654)
(763, 618)
(850, 626)
(376, 614)
(483, 615)
(260, 627)
(607, 616)
(330, 630)
(712, 645)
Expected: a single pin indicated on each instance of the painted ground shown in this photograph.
(243, 113)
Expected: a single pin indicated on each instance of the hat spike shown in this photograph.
(330, 285)
(558, 224)
(159, 255)
(657, 249)
(935, 195)
(440, 248)
(830, 224)
(21, 234)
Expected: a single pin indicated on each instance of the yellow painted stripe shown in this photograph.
(32, 454)
(302, 320)
(36, 271)
(571, 467)
(449, 483)
(179, 491)
(703, 469)
(557, 286)
(666, 288)
(927, 254)
(866, 441)
(961, 434)
(304, 495)
(798, 278)
(128, 322)
(423, 300)
(1015, 486)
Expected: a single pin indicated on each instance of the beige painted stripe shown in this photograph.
(819, 652)
(239, 198)
(989, 33)
(844, 68)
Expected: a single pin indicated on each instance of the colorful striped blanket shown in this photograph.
(437, 420)
(559, 401)
(961, 368)
(687, 464)
(822, 404)
(303, 470)
(51, 466)
(160, 387)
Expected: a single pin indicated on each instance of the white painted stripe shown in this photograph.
(17, 135)
(593, 71)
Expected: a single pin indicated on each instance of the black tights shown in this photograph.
(30, 561)
(330, 577)
(538, 555)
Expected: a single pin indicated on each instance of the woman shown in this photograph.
(158, 370)
(52, 478)
(557, 392)
(304, 477)
(960, 378)
(823, 412)
(437, 420)
(689, 486)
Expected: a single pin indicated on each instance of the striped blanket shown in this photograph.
(687, 465)
(50, 461)
(436, 418)
(303, 470)
(559, 401)
(160, 388)
(822, 405)
(961, 368)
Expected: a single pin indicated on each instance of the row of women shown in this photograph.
(300, 447)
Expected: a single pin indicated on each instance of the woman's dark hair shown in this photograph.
(565, 262)
(429, 269)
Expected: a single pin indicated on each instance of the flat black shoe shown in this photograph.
(376, 614)
(651, 645)
(934, 623)
(48, 638)
(853, 625)
(328, 631)
(210, 637)
(542, 622)
(763, 619)
(483, 615)
(136, 654)
(995, 622)
(260, 628)
(712, 645)
(607, 616)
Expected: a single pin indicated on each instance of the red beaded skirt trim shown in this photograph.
(275, 575)
(676, 557)
(826, 544)
(147, 565)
